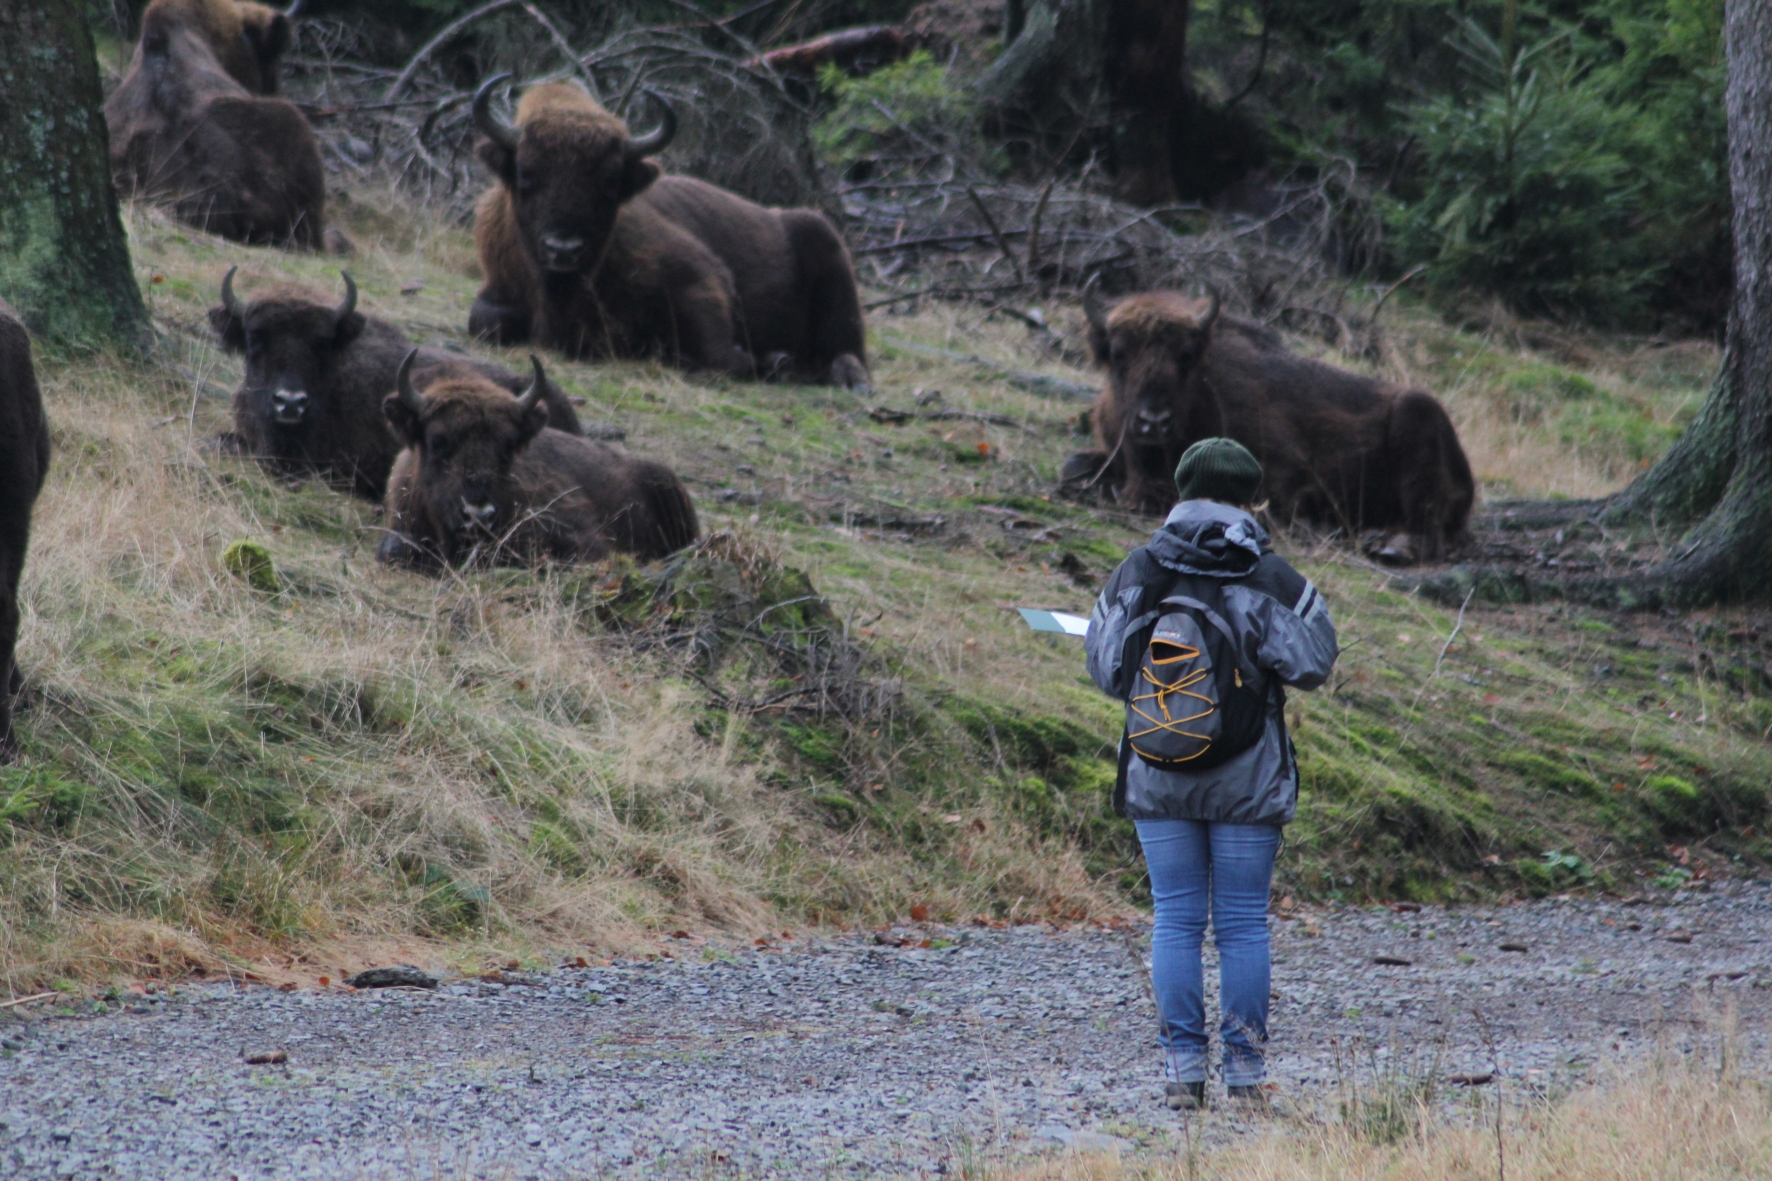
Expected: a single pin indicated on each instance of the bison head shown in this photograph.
(291, 343)
(568, 166)
(468, 433)
(1151, 346)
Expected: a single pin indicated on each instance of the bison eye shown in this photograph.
(526, 181)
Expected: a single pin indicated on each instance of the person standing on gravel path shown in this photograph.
(1199, 632)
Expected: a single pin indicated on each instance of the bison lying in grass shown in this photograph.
(1339, 449)
(24, 462)
(588, 250)
(192, 126)
(484, 479)
(315, 378)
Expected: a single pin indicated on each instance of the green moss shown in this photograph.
(251, 563)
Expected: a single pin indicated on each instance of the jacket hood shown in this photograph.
(1205, 537)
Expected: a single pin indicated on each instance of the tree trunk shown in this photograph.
(64, 259)
(1147, 55)
(1070, 61)
(1719, 474)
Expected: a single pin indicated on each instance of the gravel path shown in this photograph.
(841, 1057)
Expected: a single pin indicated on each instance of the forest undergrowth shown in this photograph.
(826, 715)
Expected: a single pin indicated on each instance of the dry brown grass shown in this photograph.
(1673, 1119)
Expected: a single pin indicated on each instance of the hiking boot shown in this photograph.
(1253, 1099)
(1185, 1096)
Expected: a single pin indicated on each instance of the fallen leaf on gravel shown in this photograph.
(1680, 937)
(267, 1058)
(1393, 961)
(325, 982)
(1514, 947)
(919, 913)
(1471, 1080)
(1406, 907)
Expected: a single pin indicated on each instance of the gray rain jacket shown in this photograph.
(1280, 621)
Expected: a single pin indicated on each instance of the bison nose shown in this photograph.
(562, 253)
(480, 513)
(288, 406)
(1151, 422)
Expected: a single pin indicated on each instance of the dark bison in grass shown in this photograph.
(1339, 449)
(484, 479)
(24, 462)
(316, 374)
(194, 126)
(587, 249)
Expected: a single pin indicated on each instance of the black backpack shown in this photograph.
(1197, 701)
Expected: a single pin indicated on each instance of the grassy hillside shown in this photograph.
(510, 763)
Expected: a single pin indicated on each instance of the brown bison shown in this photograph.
(248, 39)
(485, 479)
(587, 249)
(315, 378)
(1339, 449)
(24, 462)
(190, 127)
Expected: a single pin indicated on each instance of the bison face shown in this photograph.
(291, 346)
(568, 169)
(1152, 346)
(468, 433)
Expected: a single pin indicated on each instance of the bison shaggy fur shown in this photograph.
(1338, 448)
(316, 374)
(24, 462)
(586, 248)
(193, 126)
(484, 479)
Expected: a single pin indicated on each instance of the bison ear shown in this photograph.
(349, 328)
(269, 40)
(499, 160)
(640, 173)
(1098, 341)
(407, 425)
(229, 328)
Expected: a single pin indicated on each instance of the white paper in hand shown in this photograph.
(1054, 621)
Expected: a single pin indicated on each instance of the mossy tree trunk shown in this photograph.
(1717, 479)
(64, 259)
(1065, 60)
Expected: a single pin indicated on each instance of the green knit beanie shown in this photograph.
(1218, 469)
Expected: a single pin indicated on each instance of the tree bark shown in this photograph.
(1070, 59)
(1719, 474)
(64, 259)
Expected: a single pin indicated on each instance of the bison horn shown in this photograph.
(527, 399)
(231, 301)
(294, 10)
(490, 125)
(350, 303)
(409, 397)
(660, 137)
(1094, 306)
(1207, 320)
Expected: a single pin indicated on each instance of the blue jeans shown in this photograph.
(1190, 860)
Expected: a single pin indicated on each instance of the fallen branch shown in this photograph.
(844, 47)
(25, 1000)
(431, 46)
(996, 232)
(936, 240)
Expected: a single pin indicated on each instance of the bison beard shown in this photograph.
(24, 462)
(484, 479)
(189, 127)
(1339, 449)
(587, 250)
(315, 377)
